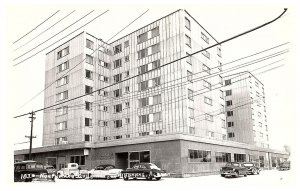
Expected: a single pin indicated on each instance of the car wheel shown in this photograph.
(223, 175)
(258, 172)
(108, 177)
(83, 176)
(59, 176)
(158, 178)
(125, 177)
(245, 175)
(72, 176)
(148, 177)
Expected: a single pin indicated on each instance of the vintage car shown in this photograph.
(105, 171)
(252, 168)
(50, 169)
(72, 171)
(284, 165)
(28, 171)
(233, 169)
(144, 170)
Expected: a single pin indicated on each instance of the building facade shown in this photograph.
(142, 102)
(246, 110)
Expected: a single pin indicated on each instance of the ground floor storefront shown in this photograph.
(182, 157)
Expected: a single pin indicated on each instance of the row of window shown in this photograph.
(205, 156)
(148, 51)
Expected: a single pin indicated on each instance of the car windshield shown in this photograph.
(248, 164)
(153, 166)
(50, 167)
(232, 164)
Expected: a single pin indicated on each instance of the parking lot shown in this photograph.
(269, 179)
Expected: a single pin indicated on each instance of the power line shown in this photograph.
(51, 37)
(36, 27)
(222, 42)
(45, 30)
(85, 58)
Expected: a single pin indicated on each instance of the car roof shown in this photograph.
(105, 165)
(26, 162)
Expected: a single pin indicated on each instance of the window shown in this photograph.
(229, 113)
(88, 106)
(155, 64)
(61, 140)
(220, 66)
(190, 94)
(153, 117)
(88, 90)
(88, 122)
(80, 160)
(158, 132)
(143, 119)
(142, 53)
(229, 103)
(239, 157)
(143, 69)
(118, 63)
(118, 137)
(189, 76)
(208, 100)
(117, 93)
(89, 44)
(89, 74)
(206, 84)
(143, 102)
(127, 120)
(221, 94)
(102, 123)
(127, 90)
(206, 53)
(224, 137)
(220, 80)
(154, 49)
(62, 96)
(204, 37)
(231, 134)
(142, 37)
(259, 114)
(227, 82)
(209, 117)
(191, 112)
(117, 49)
(259, 124)
(199, 156)
(103, 93)
(103, 108)
(88, 138)
(191, 130)
(143, 134)
(219, 51)
(126, 43)
(118, 123)
(228, 92)
(223, 125)
(150, 83)
(210, 134)
(188, 41)
(62, 53)
(187, 23)
(62, 66)
(155, 32)
(104, 64)
(62, 81)
(126, 58)
(89, 59)
(127, 104)
(126, 74)
(62, 110)
(61, 126)
(256, 84)
(230, 124)
(118, 108)
(206, 68)
(117, 78)
(103, 78)
(189, 59)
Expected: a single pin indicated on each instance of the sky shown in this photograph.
(222, 20)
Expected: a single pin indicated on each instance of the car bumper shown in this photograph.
(227, 173)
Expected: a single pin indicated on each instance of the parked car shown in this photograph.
(27, 171)
(107, 171)
(143, 170)
(252, 168)
(284, 165)
(50, 169)
(233, 169)
(72, 171)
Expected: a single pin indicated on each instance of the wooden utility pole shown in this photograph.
(31, 137)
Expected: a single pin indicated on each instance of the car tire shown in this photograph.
(148, 177)
(158, 178)
(223, 175)
(253, 171)
(107, 177)
(59, 176)
(258, 172)
(245, 175)
(236, 174)
(72, 176)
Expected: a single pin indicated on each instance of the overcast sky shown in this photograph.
(221, 20)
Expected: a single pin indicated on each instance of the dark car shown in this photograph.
(27, 171)
(143, 170)
(233, 169)
(284, 165)
(252, 168)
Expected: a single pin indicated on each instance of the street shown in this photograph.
(269, 179)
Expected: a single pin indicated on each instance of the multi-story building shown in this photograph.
(141, 102)
(246, 110)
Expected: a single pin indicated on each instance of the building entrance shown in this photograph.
(128, 159)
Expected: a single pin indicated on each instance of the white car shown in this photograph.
(105, 171)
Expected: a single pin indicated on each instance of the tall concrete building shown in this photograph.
(246, 110)
(139, 107)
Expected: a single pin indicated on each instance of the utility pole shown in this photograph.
(31, 137)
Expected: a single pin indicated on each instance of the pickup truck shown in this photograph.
(72, 171)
